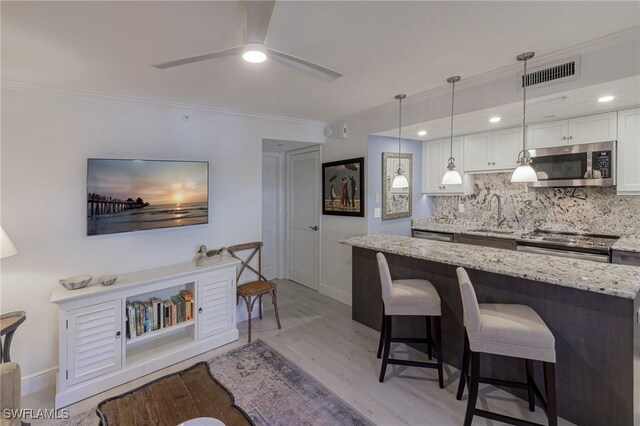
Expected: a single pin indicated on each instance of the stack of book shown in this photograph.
(156, 314)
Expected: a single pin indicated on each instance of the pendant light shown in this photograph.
(400, 180)
(452, 177)
(524, 173)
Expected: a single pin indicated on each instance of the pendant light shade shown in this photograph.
(524, 173)
(400, 180)
(452, 177)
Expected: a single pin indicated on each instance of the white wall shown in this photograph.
(47, 136)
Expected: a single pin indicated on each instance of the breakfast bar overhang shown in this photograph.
(591, 308)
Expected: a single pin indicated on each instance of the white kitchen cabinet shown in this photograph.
(435, 157)
(97, 353)
(478, 152)
(94, 343)
(551, 133)
(492, 151)
(593, 128)
(432, 169)
(628, 152)
(507, 144)
(580, 130)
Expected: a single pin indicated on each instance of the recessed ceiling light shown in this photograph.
(608, 98)
(254, 53)
(422, 133)
(494, 119)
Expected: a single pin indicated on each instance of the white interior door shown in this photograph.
(303, 235)
(270, 219)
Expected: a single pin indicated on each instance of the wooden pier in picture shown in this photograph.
(98, 205)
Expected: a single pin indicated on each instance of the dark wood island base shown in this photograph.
(597, 335)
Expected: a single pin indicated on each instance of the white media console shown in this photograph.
(95, 353)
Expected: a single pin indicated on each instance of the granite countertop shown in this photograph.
(627, 244)
(614, 280)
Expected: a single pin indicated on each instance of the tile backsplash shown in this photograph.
(597, 210)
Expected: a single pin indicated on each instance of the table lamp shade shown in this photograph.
(7, 249)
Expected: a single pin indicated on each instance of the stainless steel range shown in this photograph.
(575, 245)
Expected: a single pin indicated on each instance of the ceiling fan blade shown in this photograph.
(213, 55)
(258, 18)
(318, 71)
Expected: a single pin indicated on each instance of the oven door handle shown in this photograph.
(564, 253)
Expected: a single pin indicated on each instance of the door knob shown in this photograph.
(200, 310)
(118, 335)
(315, 228)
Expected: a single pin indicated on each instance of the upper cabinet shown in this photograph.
(628, 154)
(594, 128)
(492, 151)
(435, 156)
(587, 129)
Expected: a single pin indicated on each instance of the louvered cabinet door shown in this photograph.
(94, 341)
(214, 305)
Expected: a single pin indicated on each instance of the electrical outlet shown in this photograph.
(377, 197)
(376, 213)
(461, 207)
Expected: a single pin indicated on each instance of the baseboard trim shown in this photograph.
(334, 293)
(38, 381)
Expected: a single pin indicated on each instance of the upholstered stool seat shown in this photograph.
(513, 330)
(408, 297)
(509, 330)
(413, 297)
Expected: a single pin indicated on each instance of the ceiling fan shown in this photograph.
(254, 50)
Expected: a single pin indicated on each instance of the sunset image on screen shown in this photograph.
(132, 195)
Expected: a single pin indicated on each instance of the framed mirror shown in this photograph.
(396, 202)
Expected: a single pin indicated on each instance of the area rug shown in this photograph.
(272, 390)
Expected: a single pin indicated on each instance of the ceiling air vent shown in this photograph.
(550, 73)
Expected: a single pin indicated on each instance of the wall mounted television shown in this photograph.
(137, 195)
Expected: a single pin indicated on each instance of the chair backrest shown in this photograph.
(385, 277)
(471, 310)
(256, 247)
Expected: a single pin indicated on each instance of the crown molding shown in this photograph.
(135, 100)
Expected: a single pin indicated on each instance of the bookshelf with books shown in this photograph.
(156, 316)
(147, 320)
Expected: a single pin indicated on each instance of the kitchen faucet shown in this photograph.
(500, 219)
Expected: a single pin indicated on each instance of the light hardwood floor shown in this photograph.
(319, 336)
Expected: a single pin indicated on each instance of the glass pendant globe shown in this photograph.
(452, 177)
(524, 174)
(400, 182)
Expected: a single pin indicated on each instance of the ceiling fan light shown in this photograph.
(254, 53)
(400, 181)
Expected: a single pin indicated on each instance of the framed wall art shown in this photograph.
(396, 202)
(343, 187)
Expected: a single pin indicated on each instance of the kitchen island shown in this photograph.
(591, 308)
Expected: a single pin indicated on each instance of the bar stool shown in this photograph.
(510, 330)
(408, 297)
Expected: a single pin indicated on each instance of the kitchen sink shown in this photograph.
(492, 231)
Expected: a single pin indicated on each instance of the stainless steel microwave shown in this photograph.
(591, 164)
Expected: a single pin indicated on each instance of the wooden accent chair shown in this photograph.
(254, 290)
